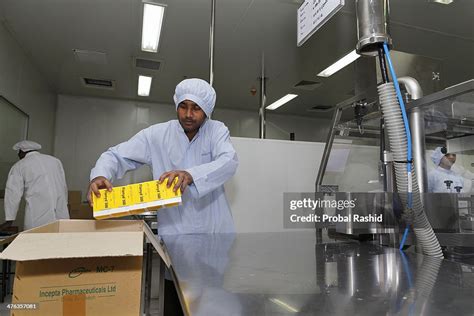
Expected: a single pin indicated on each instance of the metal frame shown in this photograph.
(212, 35)
(421, 103)
(327, 147)
(263, 101)
(447, 93)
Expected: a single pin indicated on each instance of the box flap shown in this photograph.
(47, 228)
(100, 226)
(74, 245)
(158, 245)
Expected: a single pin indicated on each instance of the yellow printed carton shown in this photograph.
(135, 199)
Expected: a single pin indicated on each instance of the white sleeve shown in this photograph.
(13, 193)
(208, 177)
(62, 211)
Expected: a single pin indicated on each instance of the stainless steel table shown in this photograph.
(288, 274)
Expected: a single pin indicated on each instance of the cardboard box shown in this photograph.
(74, 197)
(135, 199)
(80, 211)
(80, 267)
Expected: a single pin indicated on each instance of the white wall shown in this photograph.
(86, 127)
(246, 124)
(267, 169)
(24, 86)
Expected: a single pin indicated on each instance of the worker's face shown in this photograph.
(21, 154)
(190, 116)
(448, 161)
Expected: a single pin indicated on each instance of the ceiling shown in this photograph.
(49, 31)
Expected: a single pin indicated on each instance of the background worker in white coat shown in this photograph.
(446, 177)
(195, 149)
(40, 179)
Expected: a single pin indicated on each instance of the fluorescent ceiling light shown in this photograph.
(338, 65)
(152, 22)
(144, 85)
(443, 1)
(286, 306)
(281, 101)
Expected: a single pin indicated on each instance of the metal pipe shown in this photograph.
(327, 148)
(388, 172)
(263, 99)
(417, 126)
(211, 42)
(412, 86)
(372, 26)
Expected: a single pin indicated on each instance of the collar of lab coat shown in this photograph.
(180, 128)
(31, 153)
(441, 169)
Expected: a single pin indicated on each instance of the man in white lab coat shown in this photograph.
(195, 149)
(40, 179)
(446, 177)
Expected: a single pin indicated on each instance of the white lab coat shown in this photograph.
(40, 178)
(209, 157)
(436, 178)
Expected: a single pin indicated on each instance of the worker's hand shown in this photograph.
(97, 184)
(184, 179)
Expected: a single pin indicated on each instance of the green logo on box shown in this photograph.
(77, 272)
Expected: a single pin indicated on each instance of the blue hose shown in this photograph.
(408, 132)
(405, 121)
(407, 269)
(402, 106)
(404, 238)
(391, 105)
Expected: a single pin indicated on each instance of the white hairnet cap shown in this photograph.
(436, 156)
(198, 91)
(26, 145)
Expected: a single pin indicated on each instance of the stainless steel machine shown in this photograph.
(380, 143)
(448, 119)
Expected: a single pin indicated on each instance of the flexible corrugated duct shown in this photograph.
(398, 146)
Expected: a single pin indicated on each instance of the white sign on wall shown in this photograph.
(312, 14)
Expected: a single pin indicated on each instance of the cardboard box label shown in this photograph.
(90, 286)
